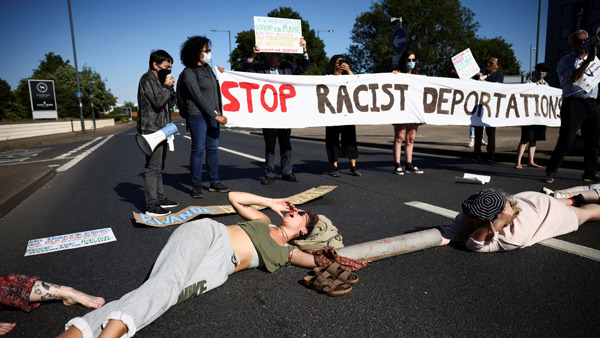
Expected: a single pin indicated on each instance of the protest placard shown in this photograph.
(278, 35)
(465, 64)
(69, 241)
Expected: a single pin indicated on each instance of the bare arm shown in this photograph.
(302, 259)
(242, 202)
(485, 232)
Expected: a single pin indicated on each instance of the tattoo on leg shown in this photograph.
(37, 291)
(47, 286)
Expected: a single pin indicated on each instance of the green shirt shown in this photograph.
(270, 252)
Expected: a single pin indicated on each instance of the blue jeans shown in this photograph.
(205, 136)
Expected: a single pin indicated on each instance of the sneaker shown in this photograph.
(477, 158)
(335, 173)
(290, 178)
(471, 143)
(492, 159)
(197, 192)
(219, 187)
(399, 171)
(561, 194)
(549, 177)
(591, 178)
(166, 203)
(267, 180)
(157, 211)
(355, 172)
(413, 169)
(547, 191)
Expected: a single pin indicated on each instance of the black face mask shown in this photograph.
(162, 75)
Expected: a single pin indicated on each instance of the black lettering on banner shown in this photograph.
(456, 100)
(526, 103)
(343, 98)
(429, 107)
(484, 101)
(512, 104)
(499, 96)
(442, 100)
(386, 89)
(374, 87)
(475, 104)
(555, 107)
(357, 90)
(545, 105)
(322, 100)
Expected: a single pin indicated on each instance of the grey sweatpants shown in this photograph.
(196, 259)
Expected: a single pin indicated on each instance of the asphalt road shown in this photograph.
(445, 291)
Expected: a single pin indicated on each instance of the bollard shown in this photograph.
(393, 246)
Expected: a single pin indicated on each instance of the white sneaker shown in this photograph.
(561, 194)
(399, 171)
(547, 191)
(472, 143)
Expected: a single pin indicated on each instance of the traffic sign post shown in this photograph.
(399, 39)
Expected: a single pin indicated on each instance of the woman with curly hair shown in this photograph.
(346, 147)
(492, 221)
(199, 88)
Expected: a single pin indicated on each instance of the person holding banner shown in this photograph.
(26, 292)
(338, 65)
(201, 93)
(275, 66)
(579, 108)
(198, 257)
(406, 132)
(491, 75)
(156, 97)
(532, 134)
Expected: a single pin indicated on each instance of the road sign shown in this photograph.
(399, 39)
(79, 95)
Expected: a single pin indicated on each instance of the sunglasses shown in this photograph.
(581, 40)
(301, 212)
(414, 59)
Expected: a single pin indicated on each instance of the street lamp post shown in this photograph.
(324, 30)
(76, 70)
(228, 32)
(92, 103)
(530, 57)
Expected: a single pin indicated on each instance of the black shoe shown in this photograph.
(219, 187)
(549, 177)
(197, 192)
(166, 203)
(412, 169)
(335, 173)
(492, 159)
(290, 178)
(477, 158)
(157, 211)
(355, 172)
(267, 180)
(591, 178)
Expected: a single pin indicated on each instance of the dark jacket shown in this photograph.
(285, 68)
(200, 90)
(155, 101)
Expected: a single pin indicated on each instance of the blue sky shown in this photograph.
(115, 37)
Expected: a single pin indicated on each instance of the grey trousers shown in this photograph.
(196, 259)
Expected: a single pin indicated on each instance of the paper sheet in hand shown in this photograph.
(472, 178)
(70, 241)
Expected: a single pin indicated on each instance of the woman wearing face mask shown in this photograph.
(532, 134)
(406, 132)
(200, 91)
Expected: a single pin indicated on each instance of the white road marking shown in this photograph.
(67, 154)
(554, 243)
(237, 153)
(80, 157)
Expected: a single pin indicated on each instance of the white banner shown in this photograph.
(591, 77)
(278, 35)
(253, 100)
(70, 241)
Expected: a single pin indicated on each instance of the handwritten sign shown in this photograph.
(591, 76)
(190, 213)
(278, 35)
(70, 241)
(465, 64)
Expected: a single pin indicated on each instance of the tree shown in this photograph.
(53, 67)
(484, 48)
(437, 30)
(9, 109)
(315, 46)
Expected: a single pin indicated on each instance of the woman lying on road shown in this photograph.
(491, 221)
(198, 257)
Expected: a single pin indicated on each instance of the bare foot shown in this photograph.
(6, 327)
(71, 296)
(534, 165)
(518, 166)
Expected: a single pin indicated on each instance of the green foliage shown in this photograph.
(314, 45)
(53, 67)
(437, 30)
(484, 48)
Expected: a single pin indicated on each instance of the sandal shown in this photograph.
(336, 271)
(325, 283)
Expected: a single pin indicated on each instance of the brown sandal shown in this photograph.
(336, 271)
(327, 284)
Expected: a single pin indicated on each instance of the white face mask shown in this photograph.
(206, 58)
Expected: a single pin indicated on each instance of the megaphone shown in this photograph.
(147, 143)
(595, 40)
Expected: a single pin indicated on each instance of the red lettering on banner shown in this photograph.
(280, 95)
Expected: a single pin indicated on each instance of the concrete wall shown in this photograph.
(11, 131)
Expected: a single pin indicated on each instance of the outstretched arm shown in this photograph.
(302, 259)
(242, 202)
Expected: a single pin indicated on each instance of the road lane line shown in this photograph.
(67, 154)
(81, 156)
(238, 153)
(554, 243)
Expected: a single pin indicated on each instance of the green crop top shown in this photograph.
(272, 255)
